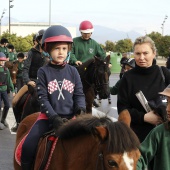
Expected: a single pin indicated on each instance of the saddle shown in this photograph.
(45, 150)
(44, 153)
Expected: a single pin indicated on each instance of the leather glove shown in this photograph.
(159, 108)
(80, 111)
(57, 122)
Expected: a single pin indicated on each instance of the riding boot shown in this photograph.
(14, 129)
(4, 115)
(26, 166)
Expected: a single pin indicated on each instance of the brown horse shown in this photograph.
(13, 69)
(94, 75)
(88, 143)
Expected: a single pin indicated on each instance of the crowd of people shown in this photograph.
(49, 64)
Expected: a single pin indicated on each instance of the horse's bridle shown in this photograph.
(97, 83)
(100, 159)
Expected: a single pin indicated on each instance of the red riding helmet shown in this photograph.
(2, 56)
(86, 27)
(56, 33)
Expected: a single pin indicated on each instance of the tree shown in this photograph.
(21, 44)
(162, 43)
(124, 46)
(109, 46)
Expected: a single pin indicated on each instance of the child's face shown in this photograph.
(127, 67)
(59, 52)
(168, 108)
(20, 59)
(2, 63)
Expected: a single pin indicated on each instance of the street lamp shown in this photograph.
(162, 27)
(1, 19)
(49, 13)
(10, 6)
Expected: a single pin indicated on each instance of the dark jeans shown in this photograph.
(19, 84)
(31, 142)
(4, 97)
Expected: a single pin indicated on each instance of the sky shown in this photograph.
(142, 16)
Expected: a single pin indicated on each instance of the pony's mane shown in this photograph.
(119, 133)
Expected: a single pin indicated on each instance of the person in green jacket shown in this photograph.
(156, 145)
(12, 53)
(127, 64)
(5, 80)
(84, 47)
(3, 47)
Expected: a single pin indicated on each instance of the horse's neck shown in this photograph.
(84, 148)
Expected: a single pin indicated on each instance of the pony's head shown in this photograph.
(113, 144)
(101, 74)
(13, 69)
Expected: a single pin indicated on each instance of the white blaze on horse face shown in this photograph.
(128, 161)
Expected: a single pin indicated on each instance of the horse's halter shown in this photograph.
(97, 83)
(100, 159)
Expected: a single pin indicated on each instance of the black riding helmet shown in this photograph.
(56, 33)
(130, 62)
(10, 46)
(4, 40)
(39, 35)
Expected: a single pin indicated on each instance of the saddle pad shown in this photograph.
(18, 151)
(19, 147)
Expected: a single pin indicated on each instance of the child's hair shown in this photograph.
(20, 55)
(51, 46)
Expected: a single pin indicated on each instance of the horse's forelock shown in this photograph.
(123, 136)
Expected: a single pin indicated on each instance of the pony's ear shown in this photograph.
(107, 59)
(96, 58)
(125, 117)
(102, 132)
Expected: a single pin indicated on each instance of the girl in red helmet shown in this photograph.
(59, 90)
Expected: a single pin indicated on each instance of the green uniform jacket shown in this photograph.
(20, 69)
(12, 56)
(115, 89)
(156, 146)
(84, 50)
(5, 51)
(9, 82)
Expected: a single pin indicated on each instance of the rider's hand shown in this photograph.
(80, 111)
(152, 118)
(78, 63)
(57, 122)
(13, 94)
(32, 83)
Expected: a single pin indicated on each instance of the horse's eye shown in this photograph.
(112, 163)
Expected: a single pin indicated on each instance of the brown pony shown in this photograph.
(94, 75)
(13, 69)
(89, 143)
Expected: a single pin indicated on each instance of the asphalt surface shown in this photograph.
(7, 138)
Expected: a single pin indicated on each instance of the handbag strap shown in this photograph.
(162, 74)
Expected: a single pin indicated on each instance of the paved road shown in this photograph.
(7, 138)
